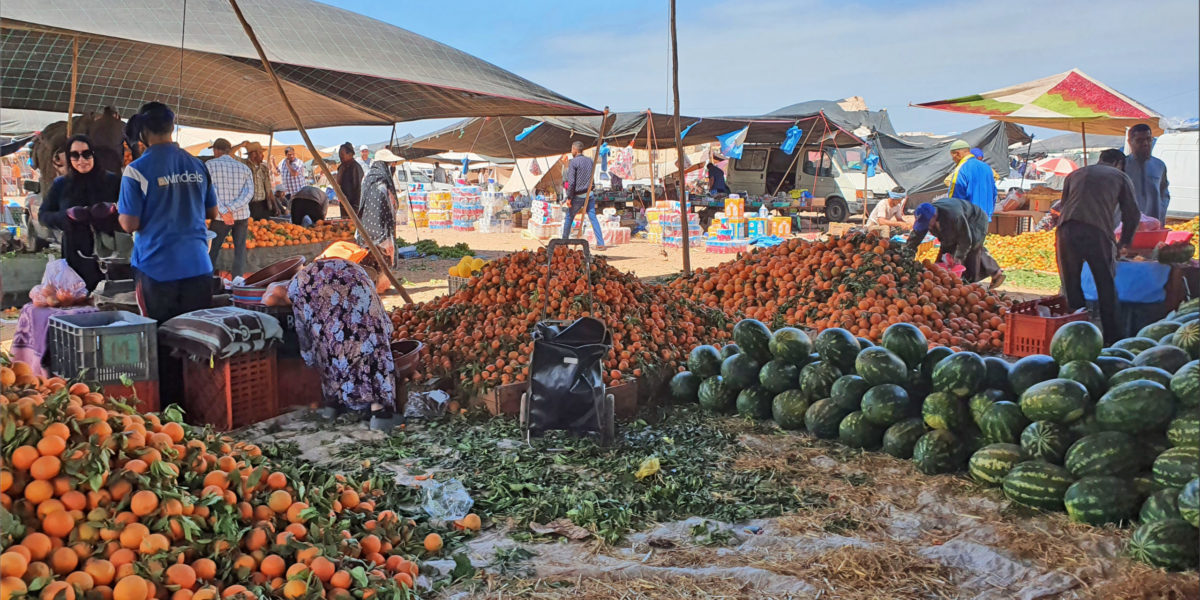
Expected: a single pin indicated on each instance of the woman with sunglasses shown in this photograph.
(83, 199)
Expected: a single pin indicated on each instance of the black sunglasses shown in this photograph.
(86, 155)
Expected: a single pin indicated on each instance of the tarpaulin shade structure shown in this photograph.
(921, 163)
(1067, 142)
(1070, 101)
(337, 67)
(554, 135)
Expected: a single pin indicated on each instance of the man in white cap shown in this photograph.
(364, 157)
(972, 179)
(890, 212)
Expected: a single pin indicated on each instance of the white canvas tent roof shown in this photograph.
(523, 177)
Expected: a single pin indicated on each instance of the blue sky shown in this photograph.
(752, 56)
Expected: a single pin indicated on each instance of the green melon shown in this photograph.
(1106, 453)
(1150, 445)
(1077, 340)
(982, 400)
(1189, 502)
(729, 350)
(878, 365)
(790, 345)
(1164, 356)
(838, 348)
(960, 374)
(907, 342)
(1037, 484)
(1175, 467)
(1136, 344)
(863, 343)
(1117, 353)
(932, 358)
(755, 402)
(740, 371)
(847, 392)
(899, 439)
(1111, 365)
(1087, 373)
(1100, 499)
(787, 409)
(685, 387)
(817, 378)
(1003, 422)
(943, 410)
(1135, 407)
(1154, 374)
(1188, 338)
(1144, 484)
(1031, 370)
(1163, 504)
(1186, 384)
(990, 464)
(1086, 426)
(1047, 441)
(779, 376)
(716, 395)
(823, 418)
(886, 404)
(857, 432)
(1059, 400)
(1169, 544)
(753, 338)
(936, 452)
(1158, 329)
(704, 361)
(1184, 430)
(996, 375)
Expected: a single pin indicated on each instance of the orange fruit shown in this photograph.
(293, 512)
(64, 560)
(38, 544)
(11, 586)
(23, 457)
(132, 535)
(102, 571)
(132, 587)
(205, 568)
(59, 590)
(279, 501)
(323, 568)
(433, 543)
(154, 543)
(6, 480)
(143, 503)
(471, 522)
(51, 445)
(273, 565)
(181, 575)
(295, 589)
(59, 524)
(277, 481)
(13, 564)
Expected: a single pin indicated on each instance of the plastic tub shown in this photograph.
(407, 355)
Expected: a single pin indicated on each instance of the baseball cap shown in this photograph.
(959, 145)
(362, 147)
(221, 144)
(924, 213)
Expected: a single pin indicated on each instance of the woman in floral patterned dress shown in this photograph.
(345, 332)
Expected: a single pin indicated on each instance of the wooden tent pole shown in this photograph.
(74, 83)
(683, 200)
(650, 155)
(349, 210)
(795, 159)
(1083, 134)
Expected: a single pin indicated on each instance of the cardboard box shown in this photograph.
(756, 227)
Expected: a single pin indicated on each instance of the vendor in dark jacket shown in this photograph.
(78, 202)
(1090, 196)
(961, 228)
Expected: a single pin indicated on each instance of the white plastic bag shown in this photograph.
(61, 286)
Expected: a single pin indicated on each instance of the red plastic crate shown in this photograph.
(234, 392)
(1027, 333)
(142, 395)
(299, 384)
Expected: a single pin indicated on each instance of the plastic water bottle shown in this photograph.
(762, 211)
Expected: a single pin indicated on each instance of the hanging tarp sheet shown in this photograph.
(1068, 141)
(338, 67)
(921, 163)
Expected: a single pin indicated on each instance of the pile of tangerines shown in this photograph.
(266, 233)
(102, 502)
(859, 282)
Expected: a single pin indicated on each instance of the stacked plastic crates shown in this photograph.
(545, 219)
(497, 215)
(467, 207)
(441, 206)
(418, 201)
(610, 228)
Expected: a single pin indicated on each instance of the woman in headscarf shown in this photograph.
(78, 202)
(345, 332)
(377, 205)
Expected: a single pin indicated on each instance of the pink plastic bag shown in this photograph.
(949, 264)
(61, 286)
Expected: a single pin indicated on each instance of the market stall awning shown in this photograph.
(338, 67)
(1070, 101)
(921, 163)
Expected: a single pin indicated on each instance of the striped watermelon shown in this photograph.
(886, 404)
(787, 409)
(1189, 502)
(779, 376)
(1135, 407)
(847, 392)
(754, 402)
(1163, 504)
(1136, 344)
(1154, 374)
(1158, 329)
(1117, 352)
(704, 361)
(1111, 365)
(1077, 340)
(754, 339)
(943, 410)
(1169, 544)
(685, 387)
(740, 371)
(878, 366)
(982, 400)
(907, 342)
(838, 348)
(1003, 422)
(716, 395)
(816, 379)
(1188, 338)
(899, 439)
(1058, 400)
(1186, 384)
(1047, 441)
(1184, 430)
(857, 432)
(997, 375)
(1176, 467)
(1037, 484)
(1100, 499)
(991, 463)
(937, 452)
(823, 418)
(790, 345)
(932, 358)
(960, 374)
(1087, 373)
(1031, 370)
(1164, 356)
(1107, 453)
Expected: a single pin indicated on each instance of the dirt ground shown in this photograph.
(426, 278)
(888, 533)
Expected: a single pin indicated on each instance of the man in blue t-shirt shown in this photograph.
(166, 195)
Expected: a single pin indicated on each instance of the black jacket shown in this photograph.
(66, 193)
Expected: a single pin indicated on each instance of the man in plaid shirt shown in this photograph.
(234, 185)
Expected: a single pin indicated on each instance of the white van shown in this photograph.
(1181, 151)
(840, 189)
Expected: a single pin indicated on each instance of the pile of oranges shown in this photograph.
(858, 282)
(274, 234)
(1034, 251)
(479, 337)
(99, 501)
